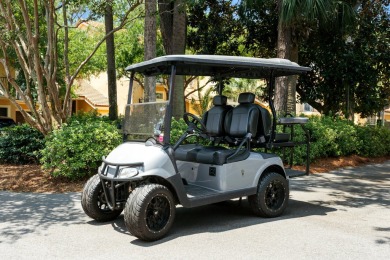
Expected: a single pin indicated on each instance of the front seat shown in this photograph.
(240, 124)
(213, 119)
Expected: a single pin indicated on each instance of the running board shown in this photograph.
(294, 173)
(199, 196)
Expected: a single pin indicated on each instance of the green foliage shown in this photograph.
(75, 150)
(214, 28)
(373, 141)
(129, 45)
(332, 137)
(20, 144)
(178, 127)
(350, 74)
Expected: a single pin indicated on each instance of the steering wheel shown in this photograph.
(194, 123)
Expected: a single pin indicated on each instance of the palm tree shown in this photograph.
(110, 51)
(150, 46)
(295, 19)
(237, 86)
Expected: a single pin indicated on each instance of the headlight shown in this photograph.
(127, 172)
(100, 169)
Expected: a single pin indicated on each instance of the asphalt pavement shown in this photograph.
(343, 214)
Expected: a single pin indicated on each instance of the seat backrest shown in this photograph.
(243, 118)
(214, 118)
(265, 123)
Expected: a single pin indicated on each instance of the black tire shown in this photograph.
(94, 202)
(149, 212)
(272, 196)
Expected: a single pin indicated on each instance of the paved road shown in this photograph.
(339, 215)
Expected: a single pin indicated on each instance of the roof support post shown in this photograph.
(130, 94)
(168, 114)
(271, 87)
(129, 102)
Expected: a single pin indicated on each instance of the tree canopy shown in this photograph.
(349, 60)
(350, 67)
(350, 71)
(36, 42)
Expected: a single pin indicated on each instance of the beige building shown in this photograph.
(8, 109)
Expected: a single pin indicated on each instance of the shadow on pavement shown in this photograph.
(354, 187)
(24, 213)
(386, 238)
(227, 216)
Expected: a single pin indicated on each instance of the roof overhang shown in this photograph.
(218, 66)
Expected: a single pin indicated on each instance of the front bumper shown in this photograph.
(116, 179)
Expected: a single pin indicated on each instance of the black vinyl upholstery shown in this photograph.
(239, 121)
(214, 118)
(233, 124)
(243, 118)
(214, 122)
(187, 152)
(265, 124)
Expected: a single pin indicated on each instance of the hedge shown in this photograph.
(20, 144)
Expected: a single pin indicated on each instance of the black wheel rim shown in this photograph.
(158, 213)
(274, 195)
(102, 202)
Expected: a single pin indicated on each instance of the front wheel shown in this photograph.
(94, 201)
(149, 212)
(272, 196)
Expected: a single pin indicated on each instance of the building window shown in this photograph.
(3, 111)
(159, 96)
(307, 108)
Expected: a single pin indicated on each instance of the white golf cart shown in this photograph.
(146, 177)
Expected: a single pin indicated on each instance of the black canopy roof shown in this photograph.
(218, 66)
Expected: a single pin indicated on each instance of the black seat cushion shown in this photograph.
(219, 155)
(187, 152)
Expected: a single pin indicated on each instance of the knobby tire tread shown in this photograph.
(255, 201)
(134, 210)
(89, 202)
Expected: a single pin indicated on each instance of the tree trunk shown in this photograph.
(165, 9)
(292, 82)
(283, 52)
(111, 73)
(178, 47)
(150, 36)
(173, 30)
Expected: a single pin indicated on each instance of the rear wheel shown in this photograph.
(94, 201)
(272, 196)
(149, 212)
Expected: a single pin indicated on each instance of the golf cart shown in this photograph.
(147, 176)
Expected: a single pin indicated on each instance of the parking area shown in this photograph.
(339, 215)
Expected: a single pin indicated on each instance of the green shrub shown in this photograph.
(373, 141)
(332, 137)
(178, 127)
(20, 144)
(75, 150)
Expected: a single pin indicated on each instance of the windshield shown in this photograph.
(144, 120)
